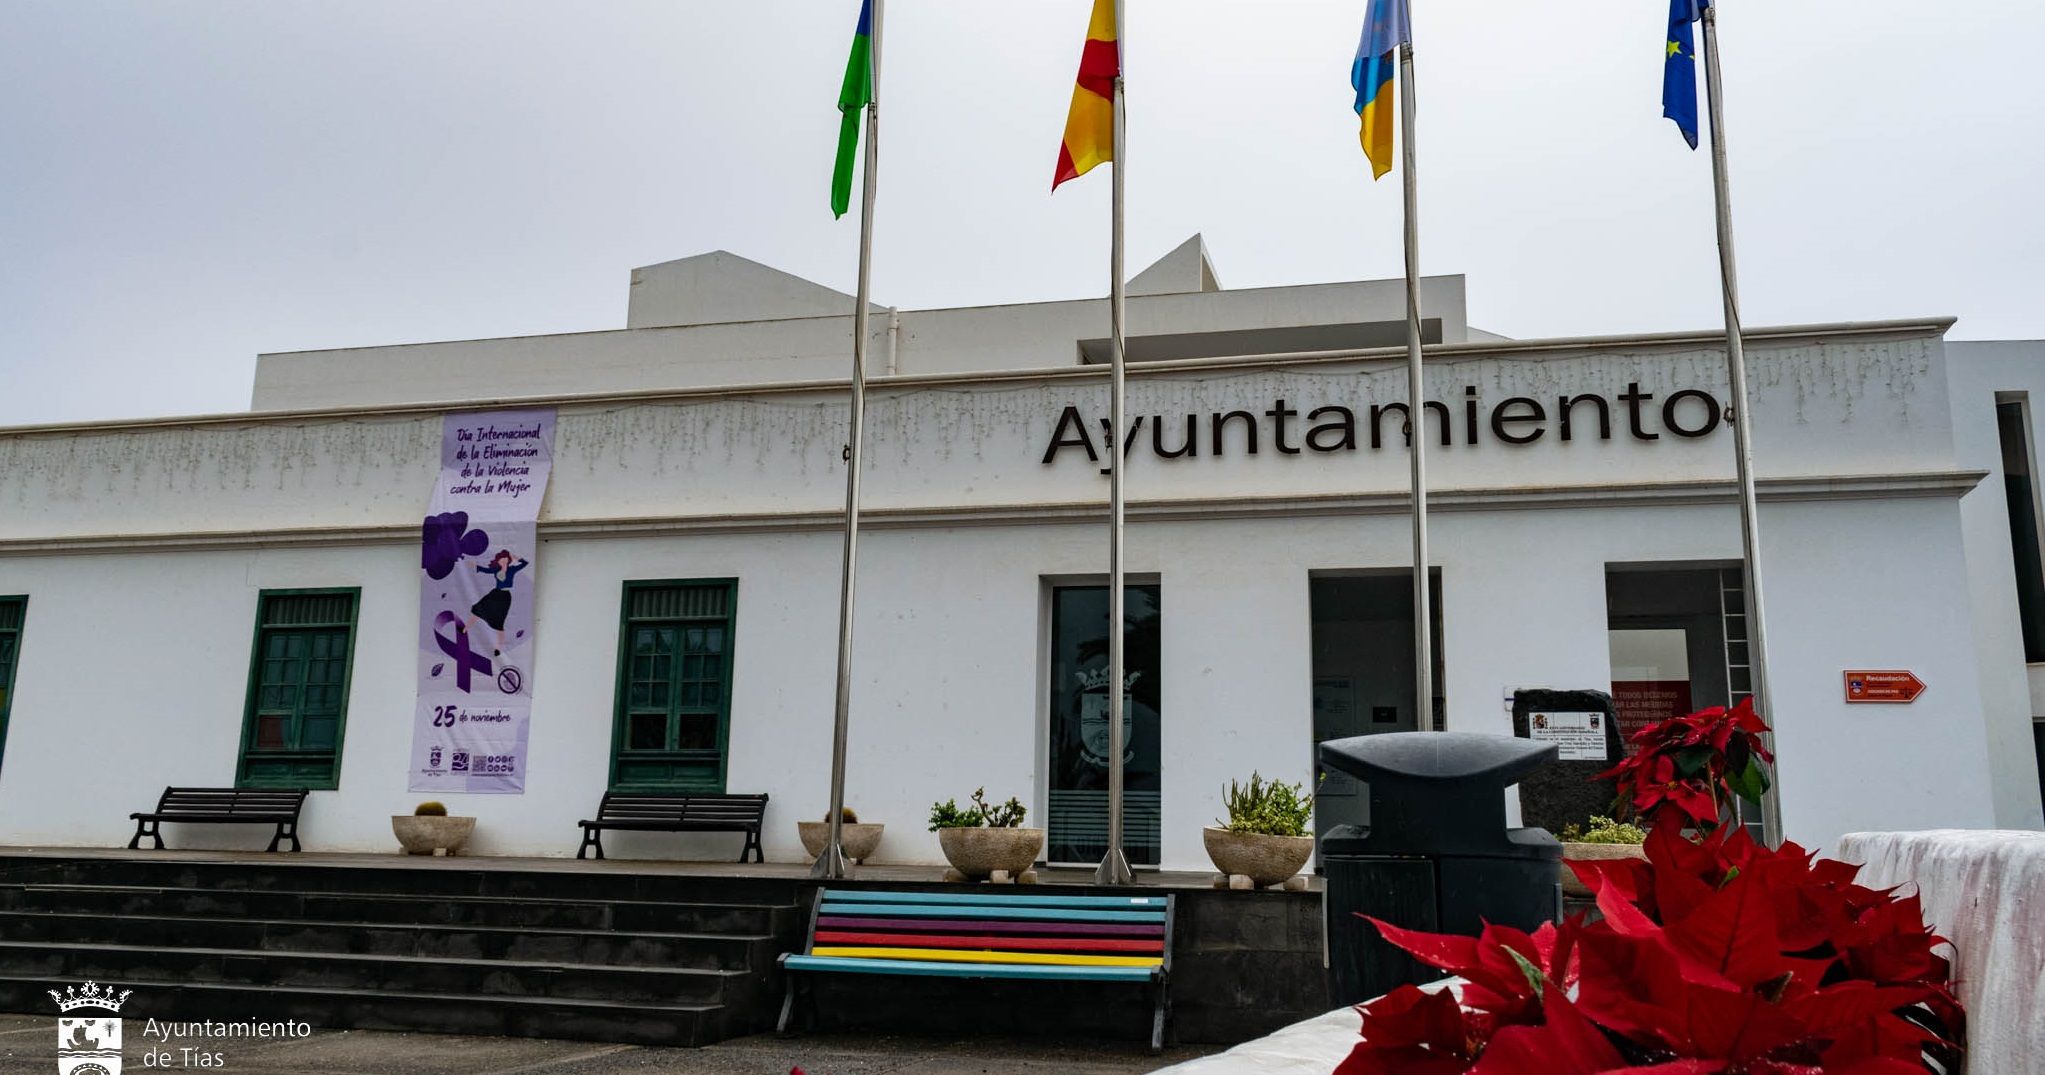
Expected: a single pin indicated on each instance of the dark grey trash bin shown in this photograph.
(1436, 855)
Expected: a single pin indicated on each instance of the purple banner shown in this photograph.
(479, 569)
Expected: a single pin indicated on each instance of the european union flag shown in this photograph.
(1679, 77)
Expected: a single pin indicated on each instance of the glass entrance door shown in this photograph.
(1363, 674)
(1078, 755)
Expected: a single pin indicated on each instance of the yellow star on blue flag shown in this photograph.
(1679, 74)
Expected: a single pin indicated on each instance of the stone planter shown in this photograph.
(859, 840)
(1574, 888)
(978, 853)
(432, 835)
(1265, 860)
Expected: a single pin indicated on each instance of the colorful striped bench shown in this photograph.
(989, 933)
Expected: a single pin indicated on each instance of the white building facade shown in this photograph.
(1585, 537)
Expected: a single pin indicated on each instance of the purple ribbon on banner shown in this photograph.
(465, 659)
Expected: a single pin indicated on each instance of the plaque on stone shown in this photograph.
(1584, 727)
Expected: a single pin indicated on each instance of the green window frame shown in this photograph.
(13, 614)
(671, 726)
(300, 667)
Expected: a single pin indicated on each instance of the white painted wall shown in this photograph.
(2010, 693)
(192, 520)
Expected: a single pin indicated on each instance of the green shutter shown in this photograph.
(673, 714)
(298, 689)
(13, 610)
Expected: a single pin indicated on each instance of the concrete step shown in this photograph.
(695, 951)
(638, 1023)
(382, 908)
(395, 876)
(492, 979)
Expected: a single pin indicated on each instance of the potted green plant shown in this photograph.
(428, 830)
(982, 840)
(1604, 840)
(1265, 840)
(858, 840)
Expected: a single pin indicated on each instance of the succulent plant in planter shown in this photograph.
(428, 830)
(1265, 839)
(983, 839)
(1603, 841)
(859, 841)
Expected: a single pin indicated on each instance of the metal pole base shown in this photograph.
(832, 865)
(1114, 869)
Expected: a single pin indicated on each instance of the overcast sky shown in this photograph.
(184, 185)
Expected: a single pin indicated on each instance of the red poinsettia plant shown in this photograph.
(1714, 955)
(1693, 766)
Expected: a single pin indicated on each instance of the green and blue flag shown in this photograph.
(852, 99)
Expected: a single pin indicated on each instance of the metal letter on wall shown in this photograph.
(479, 567)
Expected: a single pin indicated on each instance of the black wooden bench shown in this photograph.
(679, 812)
(224, 806)
(988, 933)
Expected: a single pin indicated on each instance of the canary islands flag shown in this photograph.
(1090, 127)
(1385, 28)
(854, 97)
(1679, 75)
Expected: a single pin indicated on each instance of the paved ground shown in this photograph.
(28, 1046)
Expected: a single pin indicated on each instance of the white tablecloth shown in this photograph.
(1310, 1048)
(1984, 891)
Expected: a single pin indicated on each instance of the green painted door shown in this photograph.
(298, 690)
(674, 686)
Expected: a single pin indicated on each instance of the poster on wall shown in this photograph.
(1650, 678)
(478, 571)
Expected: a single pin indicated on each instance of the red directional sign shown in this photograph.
(1891, 687)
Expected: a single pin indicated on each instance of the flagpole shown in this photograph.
(1416, 409)
(831, 865)
(1743, 442)
(1114, 867)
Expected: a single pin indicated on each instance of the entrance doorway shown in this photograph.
(1078, 754)
(1678, 639)
(1363, 674)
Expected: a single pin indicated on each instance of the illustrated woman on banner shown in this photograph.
(496, 604)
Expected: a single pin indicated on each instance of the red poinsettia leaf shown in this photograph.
(1412, 1016)
(1737, 1026)
(1849, 1005)
(1673, 1067)
(1632, 986)
(1884, 1035)
(1557, 945)
(1731, 935)
(1623, 917)
(1682, 873)
(1447, 951)
(1565, 1043)
(1695, 801)
(1407, 1060)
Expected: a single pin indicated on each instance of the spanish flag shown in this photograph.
(1385, 28)
(1090, 129)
